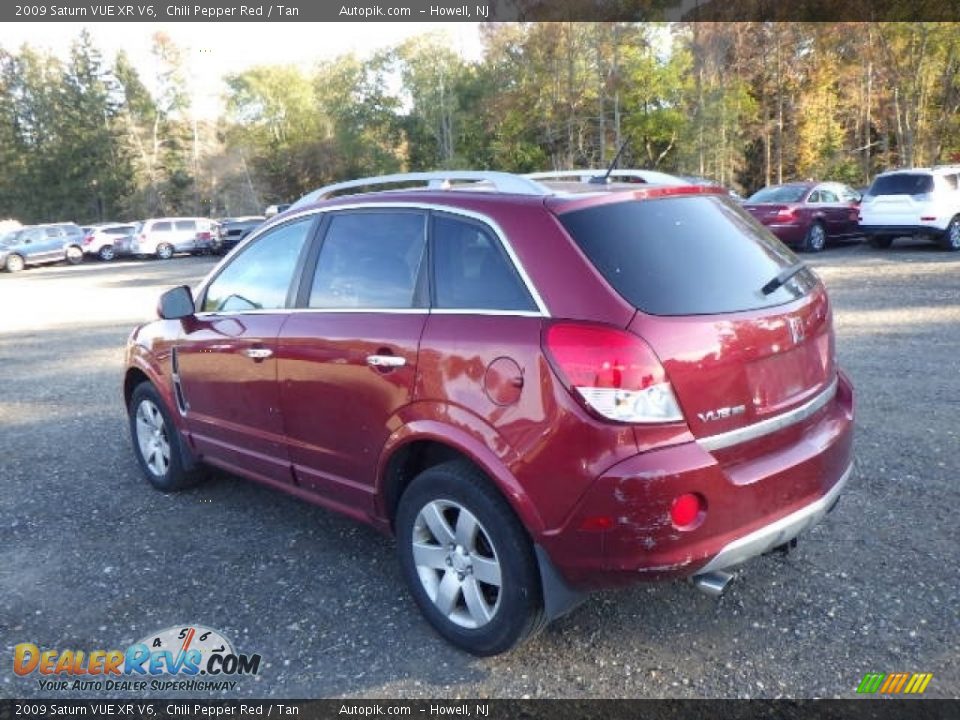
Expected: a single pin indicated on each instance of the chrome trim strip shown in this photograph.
(778, 532)
(770, 425)
(479, 217)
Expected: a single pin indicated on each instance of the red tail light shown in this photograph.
(203, 235)
(613, 372)
(87, 239)
(687, 510)
(785, 213)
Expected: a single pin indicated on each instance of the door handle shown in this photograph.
(258, 353)
(386, 361)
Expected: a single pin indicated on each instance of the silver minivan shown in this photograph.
(162, 237)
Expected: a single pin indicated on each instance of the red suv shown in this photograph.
(539, 389)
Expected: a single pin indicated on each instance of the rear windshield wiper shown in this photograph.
(781, 279)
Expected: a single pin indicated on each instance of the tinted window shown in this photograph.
(471, 269)
(814, 197)
(369, 260)
(685, 255)
(120, 230)
(162, 227)
(783, 193)
(902, 184)
(54, 232)
(260, 277)
(950, 181)
(186, 225)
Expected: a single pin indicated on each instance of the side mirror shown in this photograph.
(176, 303)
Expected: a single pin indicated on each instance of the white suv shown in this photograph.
(921, 202)
(165, 236)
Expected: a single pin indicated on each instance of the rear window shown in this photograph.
(685, 255)
(902, 184)
(782, 194)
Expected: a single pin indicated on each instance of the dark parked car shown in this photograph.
(807, 214)
(230, 231)
(39, 244)
(540, 389)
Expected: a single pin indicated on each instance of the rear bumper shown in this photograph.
(759, 493)
(902, 230)
(791, 234)
(778, 532)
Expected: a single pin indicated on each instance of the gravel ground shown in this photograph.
(91, 558)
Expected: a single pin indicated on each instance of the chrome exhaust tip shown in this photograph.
(713, 583)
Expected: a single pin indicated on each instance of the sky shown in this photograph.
(217, 49)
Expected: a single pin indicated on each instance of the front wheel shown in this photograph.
(164, 251)
(815, 239)
(14, 263)
(74, 255)
(156, 443)
(950, 240)
(468, 561)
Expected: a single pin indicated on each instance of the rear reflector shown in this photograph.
(613, 372)
(928, 218)
(686, 511)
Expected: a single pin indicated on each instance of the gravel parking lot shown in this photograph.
(91, 558)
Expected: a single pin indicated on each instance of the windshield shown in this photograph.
(902, 184)
(691, 255)
(781, 194)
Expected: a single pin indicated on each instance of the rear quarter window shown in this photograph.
(902, 184)
(685, 255)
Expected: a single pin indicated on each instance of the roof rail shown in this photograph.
(654, 177)
(440, 179)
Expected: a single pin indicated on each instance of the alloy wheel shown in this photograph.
(152, 438)
(457, 563)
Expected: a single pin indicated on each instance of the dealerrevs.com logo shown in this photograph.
(172, 659)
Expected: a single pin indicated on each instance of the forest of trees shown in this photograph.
(747, 104)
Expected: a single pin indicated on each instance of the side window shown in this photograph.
(814, 197)
(259, 278)
(55, 232)
(184, 225)
(828, 196)
(951, 181)
(471, 269)
(369, 260)
(161, 227)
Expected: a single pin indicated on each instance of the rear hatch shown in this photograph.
(735, 349)
(898, 199)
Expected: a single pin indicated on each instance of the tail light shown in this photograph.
(87, 239)
(614, 373)
(203, 235)
(785, 213)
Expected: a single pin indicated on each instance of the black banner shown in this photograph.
(486, 709)
(479, 10)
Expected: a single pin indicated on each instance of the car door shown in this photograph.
(836, 214)
(47, 245)
(185, 235)
(226, 359)
(850, 203)
(348, 355)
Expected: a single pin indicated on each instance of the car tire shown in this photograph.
(880, 242)
(73, 255)
(156, 442)
(816, 238)
(106, 253)
(950, 240)
(452, 528)
(164, 251)
(14, 263)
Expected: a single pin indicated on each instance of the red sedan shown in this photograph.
(807, 214)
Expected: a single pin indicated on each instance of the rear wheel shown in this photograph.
(74, 255)
(950, 240)
(156, 442)
(14, 263)
(164, 251)
(815, 239)
(468, 561)
(106, 253)
(881, 242)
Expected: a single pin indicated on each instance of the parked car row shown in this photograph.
(919, 202)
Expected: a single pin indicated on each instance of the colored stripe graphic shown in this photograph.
(894, 683)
